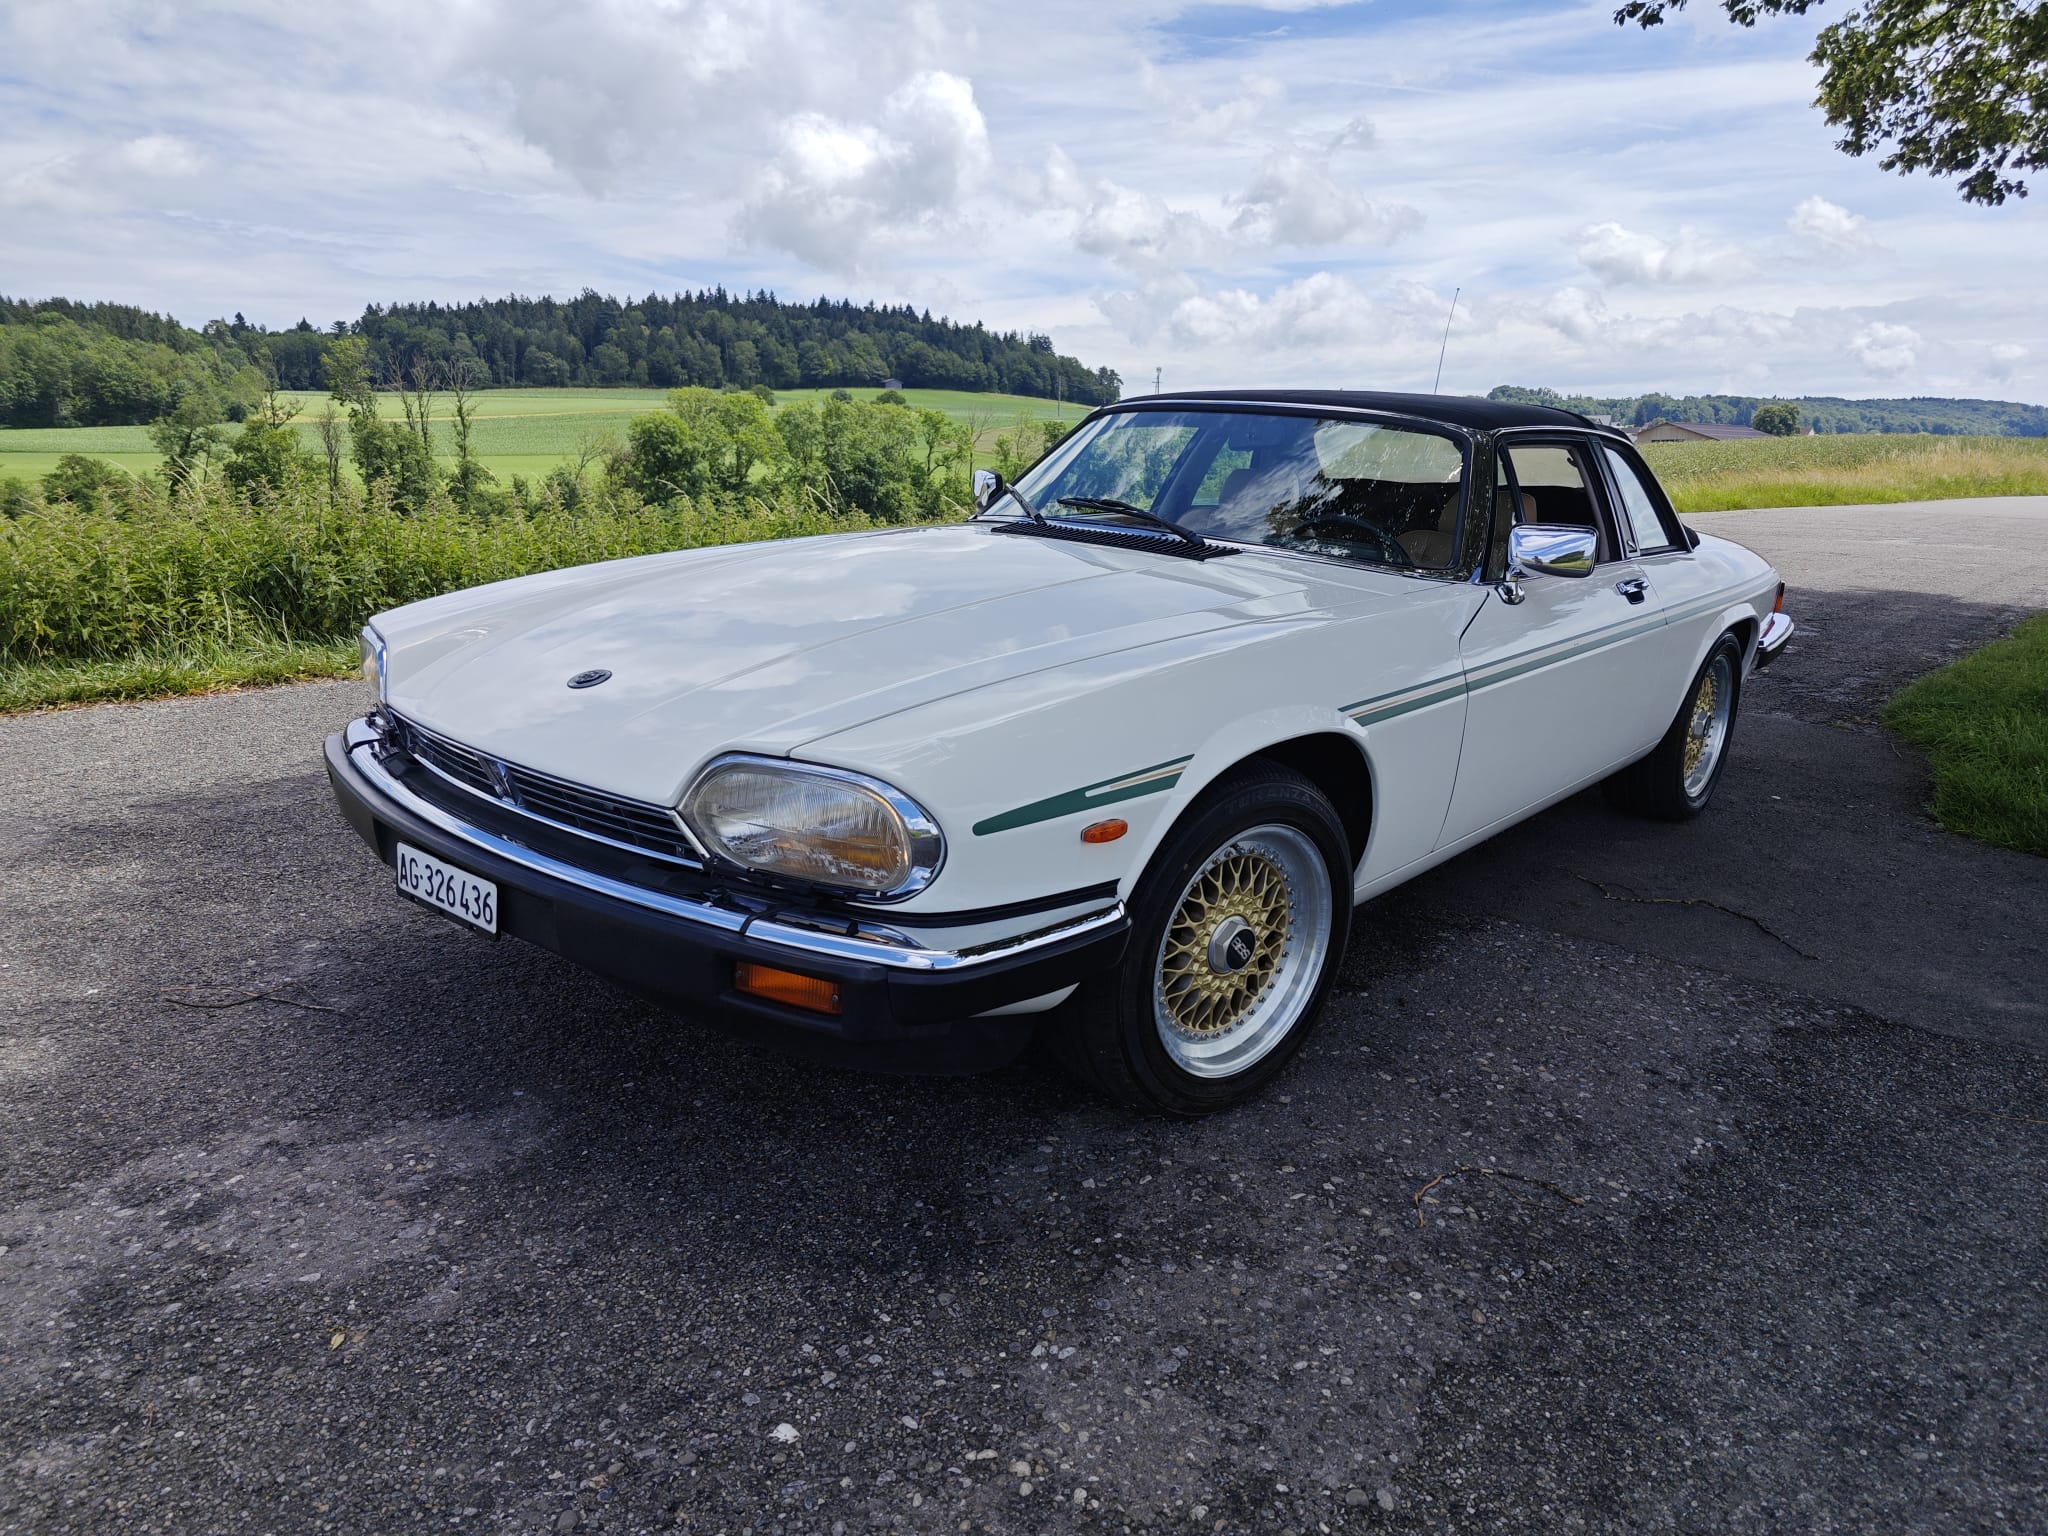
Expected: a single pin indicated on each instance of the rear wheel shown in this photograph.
(1677, 779)
(1238, 927)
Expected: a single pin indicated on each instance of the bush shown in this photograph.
(81, 479)
(200, 566)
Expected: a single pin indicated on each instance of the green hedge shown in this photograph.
(154, 568)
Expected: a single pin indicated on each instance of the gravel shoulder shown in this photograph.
(318, 1214)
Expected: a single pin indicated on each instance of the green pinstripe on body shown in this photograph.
(1130, 786)
(1385, 706)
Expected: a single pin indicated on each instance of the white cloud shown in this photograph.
(1137, 230)
(1156, 183)
(1886, 349)
(1830, 226)
(1358, 133)
(1292, 201)
(159, 155)
(1254, 96)
(1616, 254)
(836, 188)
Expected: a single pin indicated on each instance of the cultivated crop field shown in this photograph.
(1846, 470)
(518, 431)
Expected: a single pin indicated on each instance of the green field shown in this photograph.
(518, 431)
(527, 432)
(1846, 469)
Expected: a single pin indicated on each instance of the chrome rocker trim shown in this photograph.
(894, 951)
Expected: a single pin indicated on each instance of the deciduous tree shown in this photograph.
(1951, 87)
(1780, 418)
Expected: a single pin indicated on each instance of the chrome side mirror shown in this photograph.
(1551, 549)
(1547, 549)
(987, 486)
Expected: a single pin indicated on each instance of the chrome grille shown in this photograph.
(574, 807)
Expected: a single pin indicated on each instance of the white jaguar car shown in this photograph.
(1112, 761)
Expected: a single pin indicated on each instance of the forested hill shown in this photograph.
(1824, 413)
(65, 363)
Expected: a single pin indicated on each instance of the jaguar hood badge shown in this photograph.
(589, 679)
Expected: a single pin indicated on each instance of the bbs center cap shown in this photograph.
(1231, 946)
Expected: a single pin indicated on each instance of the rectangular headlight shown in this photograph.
(821, 826)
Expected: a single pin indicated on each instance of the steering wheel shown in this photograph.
(1355, 529)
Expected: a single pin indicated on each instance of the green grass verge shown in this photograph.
(1983, 723)
(160, 672)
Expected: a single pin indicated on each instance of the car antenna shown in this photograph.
(1437, 387)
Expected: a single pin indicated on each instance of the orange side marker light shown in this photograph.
(812, 993)
(1105, 831)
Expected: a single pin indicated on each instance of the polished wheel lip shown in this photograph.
(1706, 731)
(1274, 1008)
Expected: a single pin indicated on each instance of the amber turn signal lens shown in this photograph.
(1779, 605)
(813, 993)
(1105, 831)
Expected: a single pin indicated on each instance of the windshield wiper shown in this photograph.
(1125, 509)
(1004, 488)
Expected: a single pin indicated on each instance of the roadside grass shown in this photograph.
(1983, 723)
(1846, 469)
(160, 671)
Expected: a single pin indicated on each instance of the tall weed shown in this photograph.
(199, 566)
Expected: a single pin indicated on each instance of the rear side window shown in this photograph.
(1636, 505)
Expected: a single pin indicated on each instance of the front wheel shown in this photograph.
(1238, 928)
(1677, 779)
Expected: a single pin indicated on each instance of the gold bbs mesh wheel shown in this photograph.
(1706, 729)
(1243, 950)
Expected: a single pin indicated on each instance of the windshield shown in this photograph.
(1354, 490)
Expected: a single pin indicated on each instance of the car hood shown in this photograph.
(763, 647)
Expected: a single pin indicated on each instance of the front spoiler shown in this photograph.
(905, 1007)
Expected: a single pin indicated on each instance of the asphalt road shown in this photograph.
(318, 1214)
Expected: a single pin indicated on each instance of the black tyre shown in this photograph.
(1677, 779)
(1237, 930)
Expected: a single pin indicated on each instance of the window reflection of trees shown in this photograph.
(1129, 465)
(1280, 481)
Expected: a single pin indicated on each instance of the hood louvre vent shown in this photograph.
(1114, 538)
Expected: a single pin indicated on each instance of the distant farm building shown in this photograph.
(1694, 432)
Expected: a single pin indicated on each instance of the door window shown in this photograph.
(1552, 483)
(1644, 521)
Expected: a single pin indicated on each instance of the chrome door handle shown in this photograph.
(1635, 589)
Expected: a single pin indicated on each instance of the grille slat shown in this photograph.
(574, 807)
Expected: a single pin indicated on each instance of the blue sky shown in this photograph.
(1247, 194)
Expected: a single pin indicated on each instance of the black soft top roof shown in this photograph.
(1452, 410)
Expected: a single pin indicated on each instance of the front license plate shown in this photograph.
(448, 889)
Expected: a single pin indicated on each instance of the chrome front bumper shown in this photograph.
(827, 937)
(1776, 631)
